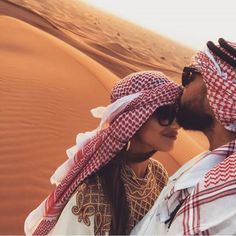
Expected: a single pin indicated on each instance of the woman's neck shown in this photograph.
(139, 168)
(138, 162)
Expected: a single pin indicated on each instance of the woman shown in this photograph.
(109, 181)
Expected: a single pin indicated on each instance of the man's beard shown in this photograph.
(190, 119)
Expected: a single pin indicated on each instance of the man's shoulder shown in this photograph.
(224, 172)
(215, 193)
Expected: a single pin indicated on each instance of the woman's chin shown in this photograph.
(166, 148)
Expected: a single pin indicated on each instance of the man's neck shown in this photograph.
(219, 136)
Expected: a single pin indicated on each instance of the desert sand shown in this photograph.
(58, 61)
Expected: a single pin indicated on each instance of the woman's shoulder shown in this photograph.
(86, 211)
(90, 195)
(90, 190)
(159, 171)
(158, 167)
(91, 201)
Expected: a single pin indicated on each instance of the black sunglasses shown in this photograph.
(166, 114)
(188, 75)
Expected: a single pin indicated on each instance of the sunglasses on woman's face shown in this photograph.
(166, 114)
(188, 75)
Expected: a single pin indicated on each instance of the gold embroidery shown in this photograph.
(91, 201)
(141, 195)
(142, 192)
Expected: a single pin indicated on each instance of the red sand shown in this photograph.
(47, 88)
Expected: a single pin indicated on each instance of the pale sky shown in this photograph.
(191, 22)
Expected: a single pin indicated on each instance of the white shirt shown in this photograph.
(182, 182)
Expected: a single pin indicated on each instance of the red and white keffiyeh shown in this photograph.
(220, 80)
(212, 201)
(134, 99)
(203, 192)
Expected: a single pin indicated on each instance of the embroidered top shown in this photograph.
(93, 205)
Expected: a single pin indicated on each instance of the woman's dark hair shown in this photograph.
(114, 189)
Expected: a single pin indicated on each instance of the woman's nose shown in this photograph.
(175, 125)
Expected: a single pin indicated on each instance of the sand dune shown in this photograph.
(47, 90)
(87, 28)
(48, 86)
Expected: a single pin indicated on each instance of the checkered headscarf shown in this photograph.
(153, 90)
(220, 80)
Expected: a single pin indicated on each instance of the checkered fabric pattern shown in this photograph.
(210, 195)
(156, 90)
(221, 89)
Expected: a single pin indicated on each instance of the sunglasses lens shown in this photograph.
(188, 75)
(185, 81)
(165, 114)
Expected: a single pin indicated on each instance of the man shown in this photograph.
(200, 198)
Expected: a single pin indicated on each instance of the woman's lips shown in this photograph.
(171, 135)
